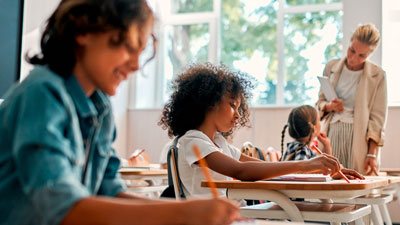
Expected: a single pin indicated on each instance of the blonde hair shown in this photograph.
(367, 34)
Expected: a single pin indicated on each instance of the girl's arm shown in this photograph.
(101, 210)
(259, 170)
(246, 158)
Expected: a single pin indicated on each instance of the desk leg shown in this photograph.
(376, 215)
(282, 200)
(385, 214)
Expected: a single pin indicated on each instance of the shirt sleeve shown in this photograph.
(112, 183)
(48, 166)
(205, 148)
(303, 154)
(378, 114)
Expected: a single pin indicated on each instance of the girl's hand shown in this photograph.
(335, 105)
(351, 174)
(323, 138)
(325, 164)
(210, 211)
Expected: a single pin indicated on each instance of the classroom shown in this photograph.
(283, 45)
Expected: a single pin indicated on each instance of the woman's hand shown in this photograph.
(216, 211)
(335, 105)
(370, 166)
(325, 164)
(351, 174)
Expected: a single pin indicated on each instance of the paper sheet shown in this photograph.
(327, 88)
(303, 177)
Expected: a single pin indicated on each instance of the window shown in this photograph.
(283, 44)
(390, 48)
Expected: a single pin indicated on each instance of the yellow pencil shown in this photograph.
(203, 165)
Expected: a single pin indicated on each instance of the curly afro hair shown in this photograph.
(200, 88)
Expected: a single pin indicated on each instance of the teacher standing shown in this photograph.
(355, 121)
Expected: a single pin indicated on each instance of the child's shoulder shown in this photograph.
(193, 137)
(297, 151)
(37, 86)
(196, 137)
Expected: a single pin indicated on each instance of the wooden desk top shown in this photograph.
(142, 172)
(390, 171)
(390, 179)
(294, 185)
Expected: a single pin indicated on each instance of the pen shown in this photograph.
(203, 165)
(340, 172)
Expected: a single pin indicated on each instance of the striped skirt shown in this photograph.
(341, 136)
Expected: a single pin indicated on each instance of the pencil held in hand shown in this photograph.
(203, 165)
(340, 172)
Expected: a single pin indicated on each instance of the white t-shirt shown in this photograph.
(346, 90)
(190, 173)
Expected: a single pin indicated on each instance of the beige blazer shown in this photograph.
(370, 108)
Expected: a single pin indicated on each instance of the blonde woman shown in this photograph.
(355, 121)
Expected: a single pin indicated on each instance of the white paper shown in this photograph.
(327, 88)
(303, 177)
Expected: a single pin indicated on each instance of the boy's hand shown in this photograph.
(211, 211)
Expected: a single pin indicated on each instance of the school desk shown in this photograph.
(280, 192)
(378, 199)
(155, 179)
(390, 171)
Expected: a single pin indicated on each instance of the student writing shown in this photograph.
(209, 100)
(304, 126)
(56, 163)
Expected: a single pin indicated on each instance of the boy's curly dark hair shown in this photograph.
(200, 88)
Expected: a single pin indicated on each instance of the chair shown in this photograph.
(311, 211)
(175, 177)
(379, 211)
(249, 149)
(174, 182)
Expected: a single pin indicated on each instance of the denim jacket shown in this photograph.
(47, 125)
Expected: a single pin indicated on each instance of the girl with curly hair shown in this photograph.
(304, 126)
(209, 102)
(57, 165)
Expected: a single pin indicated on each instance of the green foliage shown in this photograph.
(309, 2)
(242, 37)
(186, 6)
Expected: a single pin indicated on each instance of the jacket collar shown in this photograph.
(370, 69)
(96, 104)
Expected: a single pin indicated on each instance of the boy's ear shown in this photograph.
(81, 39)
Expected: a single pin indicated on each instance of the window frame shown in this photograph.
(165, 18)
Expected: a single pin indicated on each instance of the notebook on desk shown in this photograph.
(303, 177)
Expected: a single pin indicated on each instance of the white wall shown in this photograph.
(357, 12)
(267, 124)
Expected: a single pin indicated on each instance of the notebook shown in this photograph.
(303, 177)
(327, 88)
